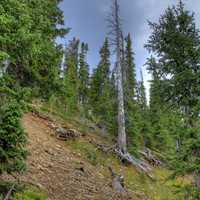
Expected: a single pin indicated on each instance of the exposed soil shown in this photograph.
(59, 171)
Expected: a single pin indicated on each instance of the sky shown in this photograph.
(86, 18)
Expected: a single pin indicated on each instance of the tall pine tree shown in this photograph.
(83, 75)
(71, 81)
(176, 42)
(129, 83)
(100, 90)
(28, 36)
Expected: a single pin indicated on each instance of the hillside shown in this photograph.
(99, 100)
(77, 170)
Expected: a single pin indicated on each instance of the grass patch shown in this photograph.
(21, 192)
(160, 189)
(29, 194)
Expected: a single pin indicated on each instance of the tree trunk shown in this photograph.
(121, 113)
(120, 92)
(117, 40)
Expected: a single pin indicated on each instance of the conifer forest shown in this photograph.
(74, 130)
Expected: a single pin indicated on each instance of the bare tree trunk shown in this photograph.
(121, 113)
(116, 39)
(120, 93)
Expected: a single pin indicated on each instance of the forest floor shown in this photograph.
(76, 170)
(59, 171)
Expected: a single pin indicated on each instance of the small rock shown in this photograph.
(50, 152)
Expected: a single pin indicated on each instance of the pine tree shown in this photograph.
(83, 75)
(141, 94)
(71, 75)
(155, 111)
(28, 42)
(155, 89)
(100, 90)
(12, 137)
(130, 76)
(143, 109)
(158, 112)
(129, 83)
(175, 41)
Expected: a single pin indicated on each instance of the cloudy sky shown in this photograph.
(87, 20)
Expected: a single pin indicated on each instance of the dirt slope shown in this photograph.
(57, 170)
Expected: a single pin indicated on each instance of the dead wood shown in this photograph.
(148, 155)
(66, 134)
(103, 148)
(61, 133)
(140, 165)
(8, 195)
(42, 116)
(117, 182)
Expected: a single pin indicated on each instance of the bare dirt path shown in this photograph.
(57, 170)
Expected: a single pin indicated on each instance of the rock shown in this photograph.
(50, 152)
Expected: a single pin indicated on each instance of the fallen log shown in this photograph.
(117, 182)
(66, 134)
(103, 148)
(42, 116)
(8, 195)
(150, 157)
(140, 165)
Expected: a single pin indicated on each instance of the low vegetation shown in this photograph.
(109, 104)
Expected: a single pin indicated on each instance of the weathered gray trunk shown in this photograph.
(120, 92)
(121, 113)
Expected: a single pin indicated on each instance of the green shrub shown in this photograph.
(12, 138)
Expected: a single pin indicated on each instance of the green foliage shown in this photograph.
(132, 111)
(27, 42)
(101, 99)
(142, 113)
(175, 40)
(83, 75)
(4, 188)
(176, 75)
(71, 82)
(189, 192)
(129, 74)
(12, 138)
(141, 94)
(29, 194)
(134, 181)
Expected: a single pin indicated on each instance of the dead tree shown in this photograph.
(115, 35)
(116, 40)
